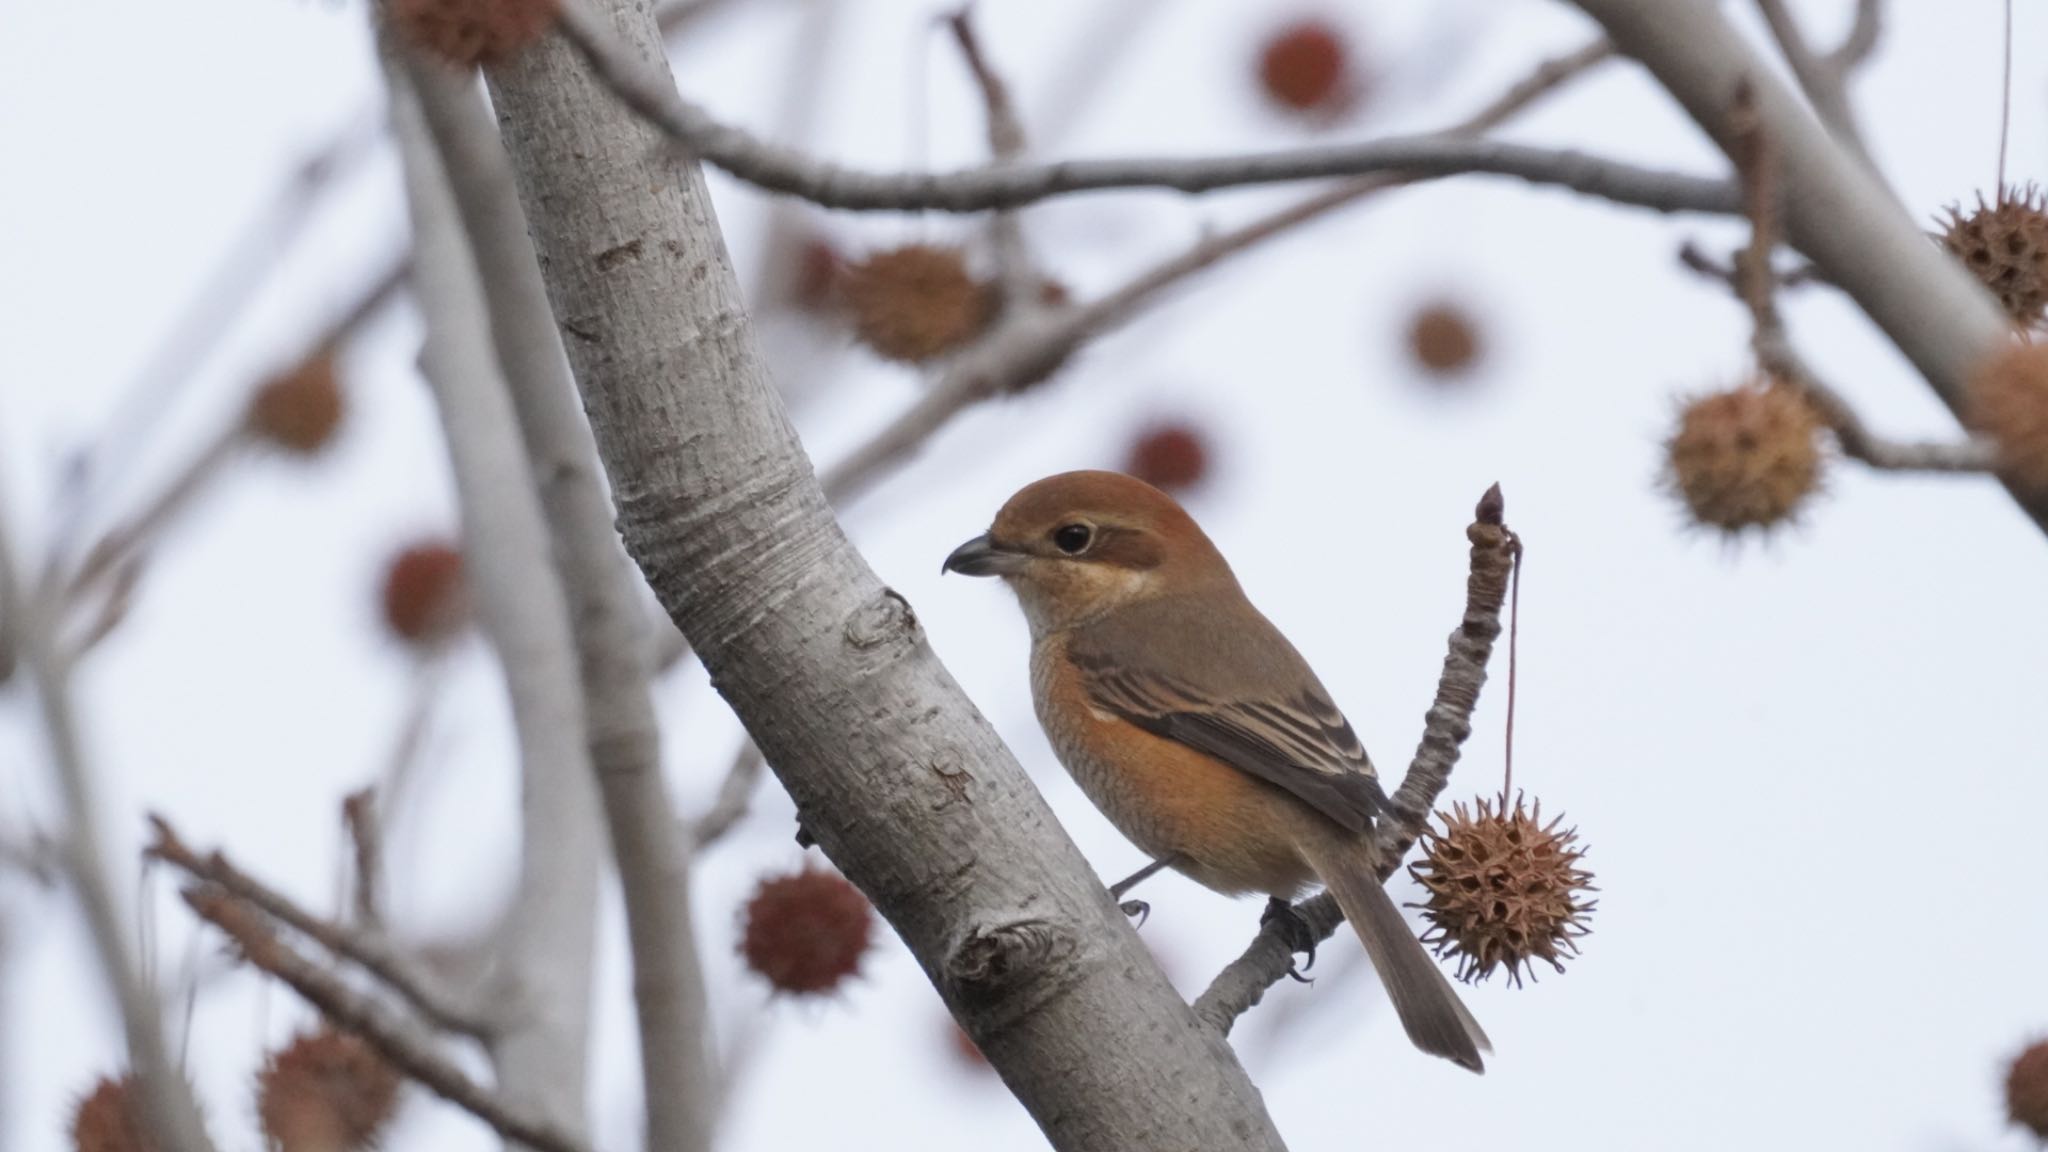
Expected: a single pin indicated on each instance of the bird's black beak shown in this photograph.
(981, 557)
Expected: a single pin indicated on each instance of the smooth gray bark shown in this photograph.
(678, 1072)
(541, 980)
(895, 774)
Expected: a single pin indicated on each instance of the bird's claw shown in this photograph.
(1294, 932)
(1137, 910)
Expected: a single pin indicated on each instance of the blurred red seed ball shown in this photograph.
(814, 281)
(1171, 456)
(2026, 1090)
(1306, 67)
(965, 1049)
(109, 1119)
(473, 32)
(805, 933)
(298, 410)
(426, 599)
(1444, 339)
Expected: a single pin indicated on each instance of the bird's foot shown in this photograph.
(1137, 910)
(1294, 932)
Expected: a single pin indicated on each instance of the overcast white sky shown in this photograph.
(1811, 771)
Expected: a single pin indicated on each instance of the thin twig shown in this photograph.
(1758, 164)
(1015, 269)
(373, 951)
(1030, 347)
(400, 1041)
(366, 837)
(735, 793)
(1448, 722)
(778, 169)
(167, 1098)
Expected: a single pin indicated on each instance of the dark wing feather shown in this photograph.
(1217, 695)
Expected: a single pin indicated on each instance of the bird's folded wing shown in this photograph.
(1298, 741)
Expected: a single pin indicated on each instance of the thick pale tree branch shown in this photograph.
(678, 1074)
(372, 950)
(902, 782)
(400, 1040)
(1824, 77)
(542, 970)
(1834, 209)
(1445, 726)
(777, 169)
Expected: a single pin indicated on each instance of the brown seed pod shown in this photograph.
(2005, 246)
(1306, 67)
(2008, 401)
(1504, 888)
(1173, 456)
(917, 302)
(326, 1091)
(426, 599)
(2026, 1089)
(806, 932)
(110, 1119)
(473, 32)
(1745, 458)
(1443, 339)
(299, 410)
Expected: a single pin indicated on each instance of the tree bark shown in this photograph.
(541, 985)
(678, 1073)
(894, 773)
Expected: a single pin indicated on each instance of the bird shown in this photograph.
(1192, 723)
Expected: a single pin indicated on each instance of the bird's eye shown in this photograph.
(1072, 539)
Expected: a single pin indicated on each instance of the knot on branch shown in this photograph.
(994, 961)
(886, 619)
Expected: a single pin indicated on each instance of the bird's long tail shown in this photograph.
(1435, 1019)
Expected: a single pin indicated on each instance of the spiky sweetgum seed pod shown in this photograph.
(298, 410)
(917, 302)
(806, 932)
(1504, 889)
(109, 1119)
(2026, 1089)
(326, 1091)
(2008, 401)
(472, 32)
(425, 597)
(1173, 457)
(1305, 67)
(2005, 246)
(1747, 457)
(1443, 339)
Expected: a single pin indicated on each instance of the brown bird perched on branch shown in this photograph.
(1193, 724)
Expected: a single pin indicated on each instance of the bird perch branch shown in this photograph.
(1243, 982)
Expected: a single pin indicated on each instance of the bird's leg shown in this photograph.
(1294, 932)
(1139, 908)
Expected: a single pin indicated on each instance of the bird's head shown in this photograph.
(1080, 544)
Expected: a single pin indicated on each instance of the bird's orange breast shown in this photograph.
(1235, 833)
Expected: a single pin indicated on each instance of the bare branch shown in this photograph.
(1755, 284)
(541, 1048)
(734, 795)
(1030, 347)
(677, 1067)
(1448, 722)
(778, 169)
(366, 838)
(399, 1040)
(904, 785)
(1834, 210)
(1824, 78)
(167, 1098)
(371, 949)
(1016, 271)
